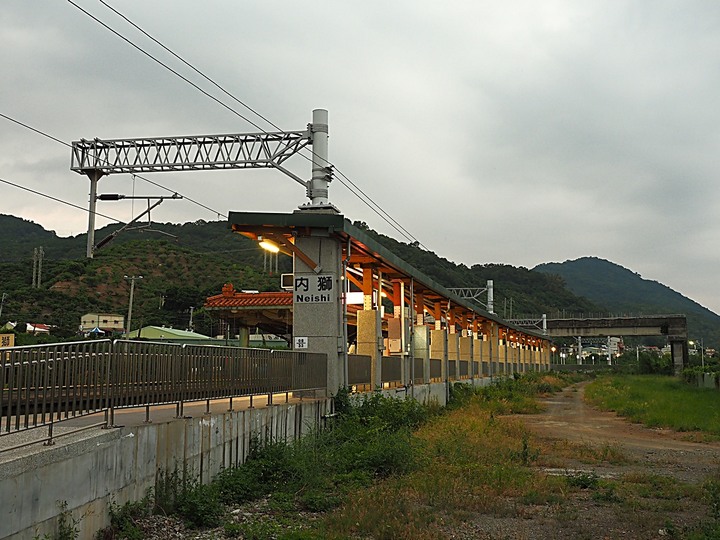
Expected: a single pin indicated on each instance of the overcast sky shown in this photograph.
(516, 132)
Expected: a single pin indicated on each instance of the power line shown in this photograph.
(58, 200)
(355, 189)
(163, 64)
(188, 64)
(52, 138)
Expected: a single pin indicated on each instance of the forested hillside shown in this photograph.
(625, 291)
(519, 292)
(184, 263)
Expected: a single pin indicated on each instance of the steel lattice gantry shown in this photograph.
(96, 158)
(187, 153)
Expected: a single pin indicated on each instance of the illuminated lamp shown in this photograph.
(269, 245)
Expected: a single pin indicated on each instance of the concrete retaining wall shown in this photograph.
(707, 380)
(121, 464)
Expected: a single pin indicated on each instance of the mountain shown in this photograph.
(519, 292)
(624, 291)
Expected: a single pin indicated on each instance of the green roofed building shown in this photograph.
(166, 334)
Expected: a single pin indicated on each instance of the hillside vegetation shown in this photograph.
(182, 264)
(624, 291)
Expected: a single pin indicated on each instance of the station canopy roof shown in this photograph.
(365, 251)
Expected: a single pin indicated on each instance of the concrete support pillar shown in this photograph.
(243, 336)
(369, 342)
(479, 349)
(438, 349)
(421, 349)
(317, 318)
(453, 354)
(368, 286)
(475, 363)
(493, 349)
(419, 308)
(505, 354)
(679, 354)
(465, 352)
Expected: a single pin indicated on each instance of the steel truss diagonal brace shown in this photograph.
(469, 293)
(189, 153)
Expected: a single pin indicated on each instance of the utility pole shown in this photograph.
(2, 302)
(35, 258)
(38, 254)
(132, 280)
(190, 326)
(41, 254)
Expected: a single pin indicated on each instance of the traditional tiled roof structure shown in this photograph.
(230, 299)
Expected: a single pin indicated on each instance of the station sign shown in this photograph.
(7, 340)
(314, 289)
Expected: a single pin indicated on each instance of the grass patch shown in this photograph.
(556, 452)
(658, 401)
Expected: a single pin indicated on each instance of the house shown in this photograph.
(102, 322)
(37, 329)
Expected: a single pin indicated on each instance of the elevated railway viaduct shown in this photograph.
(673, 327)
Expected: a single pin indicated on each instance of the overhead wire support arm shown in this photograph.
(97, 157)
(188, 153)
(109, 238)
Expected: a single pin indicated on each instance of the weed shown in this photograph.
(67, 528)
(123, 520)
(540, 497)
(259, 530)
(658, 401)
(460, 395)
(712, 495)
(607, 492)
(319, 501)
(583, 480)
(281, 502)
(198, 504)
(525, 456)
(233, 530)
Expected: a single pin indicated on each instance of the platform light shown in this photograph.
(269, 245)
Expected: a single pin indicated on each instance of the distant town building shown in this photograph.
(166, 334)
(38, 328)
(106, 323)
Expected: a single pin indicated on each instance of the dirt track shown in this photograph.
(642, 506)
(662, 451)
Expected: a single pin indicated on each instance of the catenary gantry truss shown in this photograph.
(188, 153)
(99, 157)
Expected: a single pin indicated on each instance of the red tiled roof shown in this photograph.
(230, 298)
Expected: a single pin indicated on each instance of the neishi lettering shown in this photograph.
(311, 298)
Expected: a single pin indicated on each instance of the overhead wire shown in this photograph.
(364, 198)
(347, 182)
(56, 199)
(53, 138)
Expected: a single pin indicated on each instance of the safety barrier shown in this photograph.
(44, 384)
